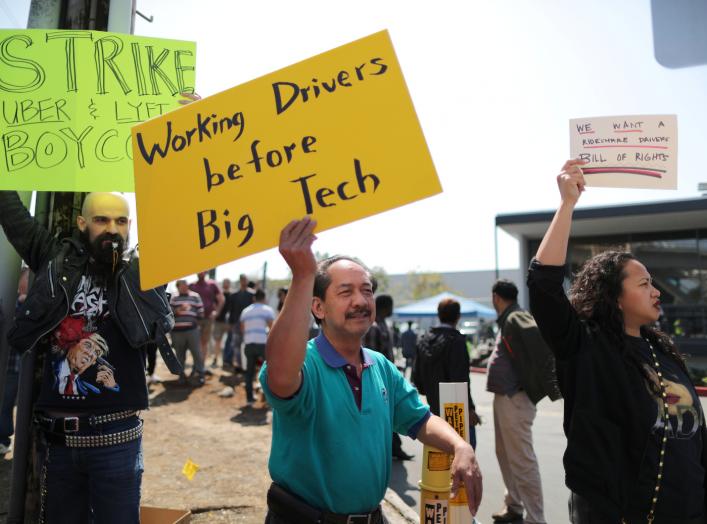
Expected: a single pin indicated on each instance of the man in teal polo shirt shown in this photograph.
(335, 403)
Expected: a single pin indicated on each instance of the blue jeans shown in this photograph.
(232, 347)
(7, 428)
(93, 485)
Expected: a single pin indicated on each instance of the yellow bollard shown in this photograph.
(455, 410)
(435, 486)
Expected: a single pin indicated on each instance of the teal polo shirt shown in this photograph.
(327, 451)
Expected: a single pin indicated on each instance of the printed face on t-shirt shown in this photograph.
(83, 355)
(79, 349)
(685, 418)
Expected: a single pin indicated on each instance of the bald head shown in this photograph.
(104, 213)
(98, 201)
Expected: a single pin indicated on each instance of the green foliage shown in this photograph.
(424, 285)
(381, 275)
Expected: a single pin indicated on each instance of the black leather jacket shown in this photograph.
(143, 316)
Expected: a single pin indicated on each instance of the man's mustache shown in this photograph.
(108, 241)
(358, 312)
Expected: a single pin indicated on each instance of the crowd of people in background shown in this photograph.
(219, 326)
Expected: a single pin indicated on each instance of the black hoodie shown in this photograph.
(441, 357)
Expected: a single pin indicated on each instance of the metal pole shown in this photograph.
(121, 16)
(10, 265)
(495, 248)
(42, 14)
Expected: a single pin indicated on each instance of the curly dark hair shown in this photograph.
(595, 293)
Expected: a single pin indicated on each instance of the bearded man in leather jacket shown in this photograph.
(86, 290)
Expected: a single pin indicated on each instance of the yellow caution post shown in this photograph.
(435, 505)
(435, 486)
(454, 408)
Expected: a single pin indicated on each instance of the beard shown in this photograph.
(106, 252)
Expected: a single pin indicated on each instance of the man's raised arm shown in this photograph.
(31, 241)
(287, 340)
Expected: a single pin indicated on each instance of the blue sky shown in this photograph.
(494, 84)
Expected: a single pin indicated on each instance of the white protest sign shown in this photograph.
(638, 151)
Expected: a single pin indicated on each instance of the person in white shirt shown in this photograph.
(256, 321)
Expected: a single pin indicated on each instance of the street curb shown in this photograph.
(406, 513)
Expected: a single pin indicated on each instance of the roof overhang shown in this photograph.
(675, 215)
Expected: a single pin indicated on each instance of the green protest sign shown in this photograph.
(69, 99)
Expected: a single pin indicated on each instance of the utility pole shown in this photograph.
(57, 211)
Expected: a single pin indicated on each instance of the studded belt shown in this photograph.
(96, 441)
(68, 425)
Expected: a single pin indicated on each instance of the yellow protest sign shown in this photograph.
(335, 136)
(69, 99)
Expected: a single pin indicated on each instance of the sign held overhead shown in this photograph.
(335, 136)
(627, 151)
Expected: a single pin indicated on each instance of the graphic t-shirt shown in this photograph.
(90, 366)
(682, 490)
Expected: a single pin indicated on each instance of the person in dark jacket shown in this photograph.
(86, 291)
(442, 357)
(634, 424)
(521, 372)
(379, 337)
(237, 302)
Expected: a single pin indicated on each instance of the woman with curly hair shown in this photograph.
(634, 425)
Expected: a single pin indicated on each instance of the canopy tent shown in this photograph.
(427, 307)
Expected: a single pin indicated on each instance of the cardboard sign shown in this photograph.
(627, 151)
(69, 99)
(335, 136)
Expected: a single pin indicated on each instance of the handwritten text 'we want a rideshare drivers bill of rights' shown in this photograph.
(627, 151)
(69, 99)
(335, 136)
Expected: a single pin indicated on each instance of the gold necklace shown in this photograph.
(664, 442)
